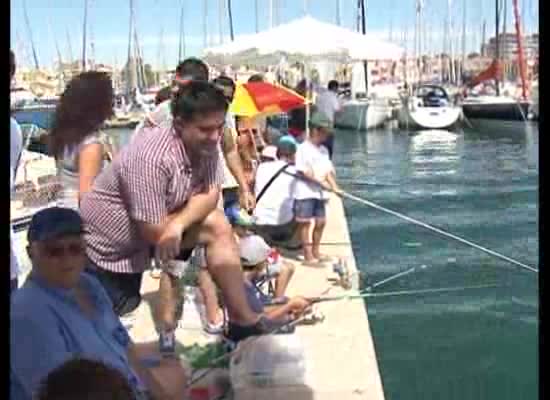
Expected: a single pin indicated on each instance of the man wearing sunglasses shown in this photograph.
(61, 312)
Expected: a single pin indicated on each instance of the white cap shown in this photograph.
(270, 152)
(254, 250)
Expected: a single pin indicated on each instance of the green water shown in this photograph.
(477, 344)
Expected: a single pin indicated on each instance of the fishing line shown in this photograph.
(322, 299)
(395, 276)
(419, 223)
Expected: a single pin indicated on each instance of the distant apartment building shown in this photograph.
(508, 46)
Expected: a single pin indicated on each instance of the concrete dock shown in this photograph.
(340, 355)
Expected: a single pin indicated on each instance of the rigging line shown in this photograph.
(420, 223)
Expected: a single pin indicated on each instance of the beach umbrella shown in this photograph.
(263, 98)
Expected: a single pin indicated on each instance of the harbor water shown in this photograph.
(473, 344)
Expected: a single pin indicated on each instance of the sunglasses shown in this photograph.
(57, 251)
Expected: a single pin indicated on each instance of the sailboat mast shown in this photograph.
(338, 13)
(364, 31)
(221, 13)
(230, 14)
(84, 29)
(497, 46)
(34, 54)
(463, 61)
(205, 23)
(256, 15)
(521, 60)
(181, 45)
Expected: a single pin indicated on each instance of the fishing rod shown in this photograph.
(362, 295)
(416, 222)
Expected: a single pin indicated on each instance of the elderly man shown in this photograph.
(161, 193)
(61, 312)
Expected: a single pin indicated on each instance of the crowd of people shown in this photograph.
(195, 186)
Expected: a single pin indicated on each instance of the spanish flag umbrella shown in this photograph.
(263, 98)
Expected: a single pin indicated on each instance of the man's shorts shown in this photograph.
(124, 288)
(308, 209)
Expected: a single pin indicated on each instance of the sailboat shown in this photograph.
(429, 106)
(496, 113)
(362, 112)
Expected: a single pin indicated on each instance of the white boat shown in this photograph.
(363, 114)
(496, 114)
(428, 108)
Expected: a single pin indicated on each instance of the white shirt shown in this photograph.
(315, 159)
(276, 207)
(16, 147)
(328, 103)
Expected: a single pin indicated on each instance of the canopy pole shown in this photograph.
(308, 96)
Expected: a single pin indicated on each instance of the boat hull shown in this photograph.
(428, 117)
(362, 115)
(497, 117)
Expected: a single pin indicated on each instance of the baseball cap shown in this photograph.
(253, 250)
(319, 120)
(54, 222)
(270, 152)
(287, 144)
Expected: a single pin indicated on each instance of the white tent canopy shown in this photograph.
(308, 38)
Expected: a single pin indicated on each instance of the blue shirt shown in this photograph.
(47, 328)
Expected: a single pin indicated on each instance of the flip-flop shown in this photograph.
(324, 258)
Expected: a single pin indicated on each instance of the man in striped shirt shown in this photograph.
(161, 191)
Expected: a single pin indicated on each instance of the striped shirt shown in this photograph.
(151, 178)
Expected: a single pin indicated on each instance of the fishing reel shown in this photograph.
(341, 269)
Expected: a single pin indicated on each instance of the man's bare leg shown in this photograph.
(317, 236)
(168, 295)
(210, 297)
(283, 279)
(224, 264)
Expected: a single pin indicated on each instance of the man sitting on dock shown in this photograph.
(314, 165)
(274, 188)
(62, 312)
(161, 193)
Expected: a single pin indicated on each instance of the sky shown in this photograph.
(108, 24)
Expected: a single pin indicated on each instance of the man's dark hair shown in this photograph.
(84, 379)
(192, 68)
(197, 97)
(12, 64)
(224, 81)
(333, 85)
(256, 78)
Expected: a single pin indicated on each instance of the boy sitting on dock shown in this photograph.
(256, 264)
(274, 188)
(317, 171)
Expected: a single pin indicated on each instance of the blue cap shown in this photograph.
(287, 144)
(54, 222)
